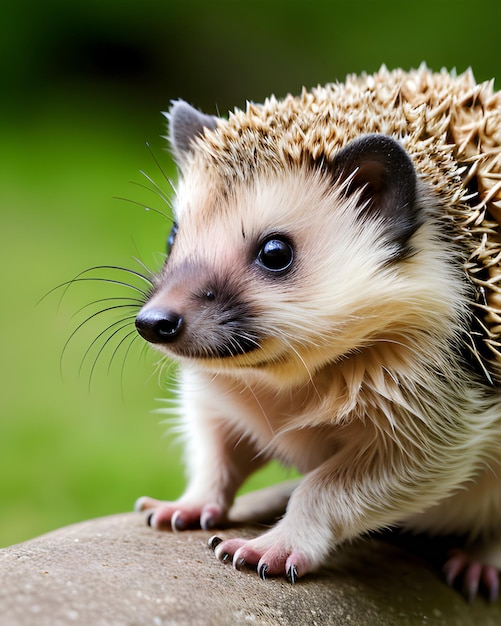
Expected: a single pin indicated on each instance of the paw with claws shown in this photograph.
(268, 555)
(180, 515)
(472, 574)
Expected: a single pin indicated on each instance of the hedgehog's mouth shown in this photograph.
(226, 351)
(250, 352)
(223, 347)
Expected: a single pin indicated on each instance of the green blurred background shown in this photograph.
(83, 84)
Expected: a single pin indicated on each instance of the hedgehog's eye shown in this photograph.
(171, 237)
(276, 254)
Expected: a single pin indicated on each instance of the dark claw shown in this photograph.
(178, 523)
(207, 523)
(225, 557)
(470, 593)
(239, 563)
(262, 571)
(149, 518)
(214, 541)
(490, 580)
(292, 574)
(472, 581)
(493, 593)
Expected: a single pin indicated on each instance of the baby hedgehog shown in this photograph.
(332, 293)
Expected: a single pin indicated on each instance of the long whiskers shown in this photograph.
(132, 302)
(124, 361)
(161, 169)
(81, 277)
(134, 335)
(144, 206)
(119, 335)
(122, 323)
(116, 329)
(154, 188)
(85, 322)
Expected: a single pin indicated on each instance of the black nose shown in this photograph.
(159, 326)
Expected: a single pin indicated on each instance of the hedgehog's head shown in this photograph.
(279, 264)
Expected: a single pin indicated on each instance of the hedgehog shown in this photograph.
(332, 295)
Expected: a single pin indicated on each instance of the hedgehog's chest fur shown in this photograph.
(346, 408)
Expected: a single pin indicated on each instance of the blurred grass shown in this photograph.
(71, 447)
(82, 87)
(63, 448)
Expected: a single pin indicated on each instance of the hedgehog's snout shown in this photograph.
(158, 325)
(198, 319)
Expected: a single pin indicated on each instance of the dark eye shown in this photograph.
(171, 237)
(276, 254)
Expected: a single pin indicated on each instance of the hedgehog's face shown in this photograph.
(287, 270)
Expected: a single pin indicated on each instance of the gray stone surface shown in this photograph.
(116, 571)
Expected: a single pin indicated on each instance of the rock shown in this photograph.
(117, 571)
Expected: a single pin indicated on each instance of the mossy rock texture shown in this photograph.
(115, 570)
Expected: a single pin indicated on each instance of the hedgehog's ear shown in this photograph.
(185, 123)
(380, 169)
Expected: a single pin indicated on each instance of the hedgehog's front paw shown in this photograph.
(272, 554)
(180, 515)
(473, 572)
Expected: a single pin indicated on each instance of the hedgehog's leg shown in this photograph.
(321, 513)
(218, 463)
(328, 507)
(263, 505)
(474, 568)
